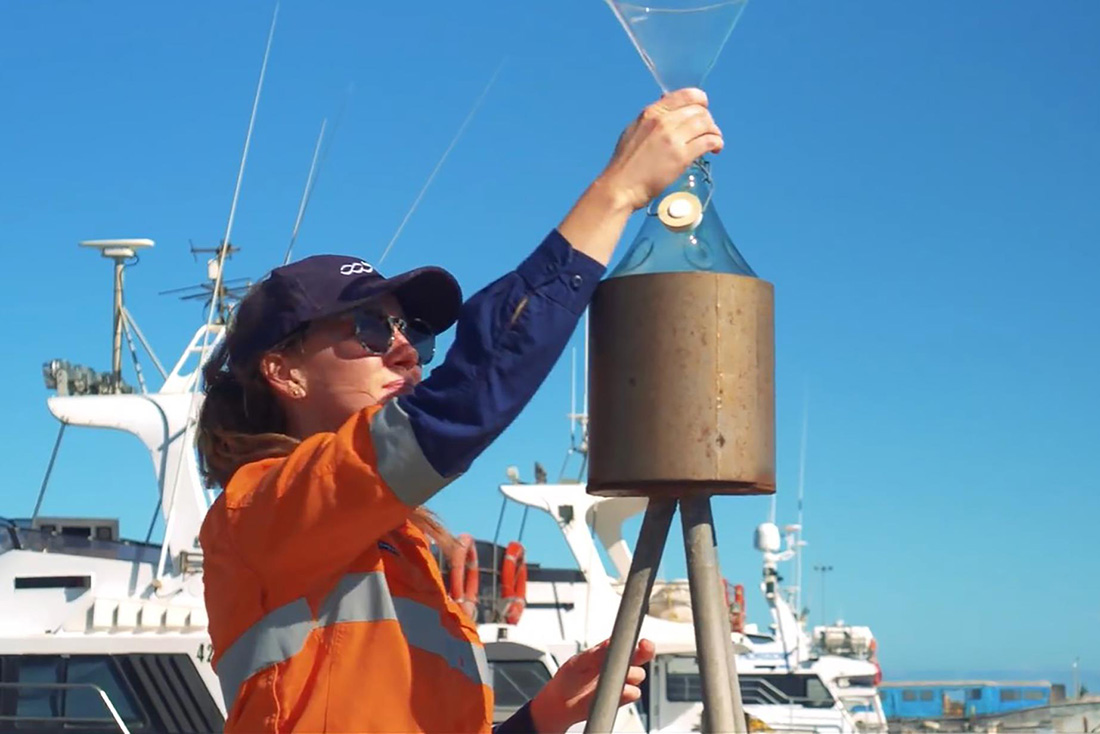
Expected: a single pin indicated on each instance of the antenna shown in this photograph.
(123, 253)
(230, 292)
(576, 418)
(219, 296)
(215, 268)
(439, 165)
(320, 155)
(584, 401)
(801, 494)
(573, 398)
(307, 193)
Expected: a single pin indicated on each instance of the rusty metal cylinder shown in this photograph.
(682, 386)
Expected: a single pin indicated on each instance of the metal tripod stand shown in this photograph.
(714, 644)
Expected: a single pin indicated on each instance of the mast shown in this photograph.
(801, 494)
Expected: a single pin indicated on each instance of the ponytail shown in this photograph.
(240, 421)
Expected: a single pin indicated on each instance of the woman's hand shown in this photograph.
(657, 148)
(652, 152)
(565, 700)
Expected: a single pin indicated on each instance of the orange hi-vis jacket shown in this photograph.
(315, 630)
(327, 611)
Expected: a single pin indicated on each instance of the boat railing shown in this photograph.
(762, 692)
(44, 540)
(66, 719)
(9, 539)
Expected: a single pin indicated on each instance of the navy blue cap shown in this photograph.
(292, 296)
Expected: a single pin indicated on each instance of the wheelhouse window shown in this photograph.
(515, 682)
(857, 681)
(49, 687)
(974, 694)
(9, 540)
(926, 695)
(1010, 694)
(909, 696)
(684, 684)
(1034, 694)
(151, 692)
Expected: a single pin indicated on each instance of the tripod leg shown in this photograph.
(740, 725)
(712, 626)
(628, 621)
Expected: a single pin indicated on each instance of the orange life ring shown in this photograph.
(464, 574)
(513, 582)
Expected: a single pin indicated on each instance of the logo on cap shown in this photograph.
(359, 268)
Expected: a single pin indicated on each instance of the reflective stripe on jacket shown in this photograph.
(327, 610)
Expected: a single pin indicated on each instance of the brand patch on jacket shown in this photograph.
(387, 547)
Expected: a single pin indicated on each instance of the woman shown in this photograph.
(327, 609)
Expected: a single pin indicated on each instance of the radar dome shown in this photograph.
(767, 538)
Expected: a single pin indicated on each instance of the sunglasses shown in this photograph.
(375, 332)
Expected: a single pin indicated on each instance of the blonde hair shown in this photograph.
(241, 421)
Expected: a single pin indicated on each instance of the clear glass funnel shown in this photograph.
(679, 40)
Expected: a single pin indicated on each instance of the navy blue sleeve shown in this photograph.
(518, 723)
(508, 337)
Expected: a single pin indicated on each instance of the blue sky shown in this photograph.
(920, 183)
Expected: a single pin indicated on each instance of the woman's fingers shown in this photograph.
(673, 120)
(630, 695)
(594, 656)
(697, 124)
(679, 98)
(644, 652)
(708, 143)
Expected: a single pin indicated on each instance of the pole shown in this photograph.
(144, 342)
(711, 620)
(49, 470)
(823, 570)
(632, 608)
(116, 345)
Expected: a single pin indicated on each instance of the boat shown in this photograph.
(98, 632)
(110, 634)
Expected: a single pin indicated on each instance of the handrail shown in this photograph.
(42, 540)
(768, 692)
(67, 719)
(13, 533)
(773, 695)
